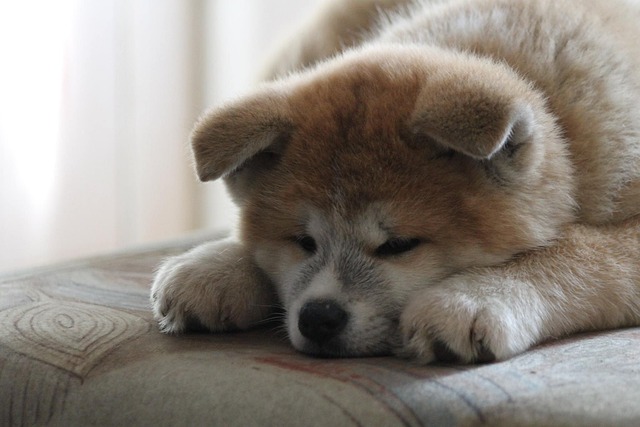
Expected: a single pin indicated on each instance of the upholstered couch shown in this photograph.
(79, 347)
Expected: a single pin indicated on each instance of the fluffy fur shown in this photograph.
(459, 181)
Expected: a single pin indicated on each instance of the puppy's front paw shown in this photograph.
(470, 319)
(215, 286)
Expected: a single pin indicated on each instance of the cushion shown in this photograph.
(79, 347)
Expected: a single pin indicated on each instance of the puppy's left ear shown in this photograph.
(226, 138)
(476, 121)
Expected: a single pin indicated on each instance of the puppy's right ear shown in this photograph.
(226, 138)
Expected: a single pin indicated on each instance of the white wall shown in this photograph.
(96, 103)
(106, 98)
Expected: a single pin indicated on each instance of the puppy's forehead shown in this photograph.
(348, 137)
(357, 102)
(370, 223)
(348, 154)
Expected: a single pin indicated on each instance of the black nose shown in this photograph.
(321, 320)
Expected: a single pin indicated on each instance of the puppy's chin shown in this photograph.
(339, 348)
(347, 345)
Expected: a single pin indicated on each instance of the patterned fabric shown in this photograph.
(78, 346)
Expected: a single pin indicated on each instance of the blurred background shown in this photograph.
(97, 99)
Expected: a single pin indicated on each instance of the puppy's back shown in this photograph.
(582, 55)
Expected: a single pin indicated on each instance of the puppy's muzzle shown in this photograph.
(321, 320)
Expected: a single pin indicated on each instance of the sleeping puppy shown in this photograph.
(458, 183)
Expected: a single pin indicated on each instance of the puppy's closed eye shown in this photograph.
(306, 243)
(397, 246)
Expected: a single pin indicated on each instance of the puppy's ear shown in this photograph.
(226, 138)
(473, 120)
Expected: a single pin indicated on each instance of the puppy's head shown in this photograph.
(382, 172)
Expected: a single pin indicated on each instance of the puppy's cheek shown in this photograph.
(281, 265)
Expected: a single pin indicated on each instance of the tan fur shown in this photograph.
(503, 135)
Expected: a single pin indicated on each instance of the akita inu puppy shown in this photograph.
(459, 182)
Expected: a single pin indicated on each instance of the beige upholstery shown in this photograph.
(78, 346)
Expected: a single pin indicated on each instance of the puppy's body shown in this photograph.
(463, 181)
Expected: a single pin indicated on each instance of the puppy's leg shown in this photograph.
(336, 26)
(589, 280)
(215, 285)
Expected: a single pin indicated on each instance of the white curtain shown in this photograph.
(96, 103)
